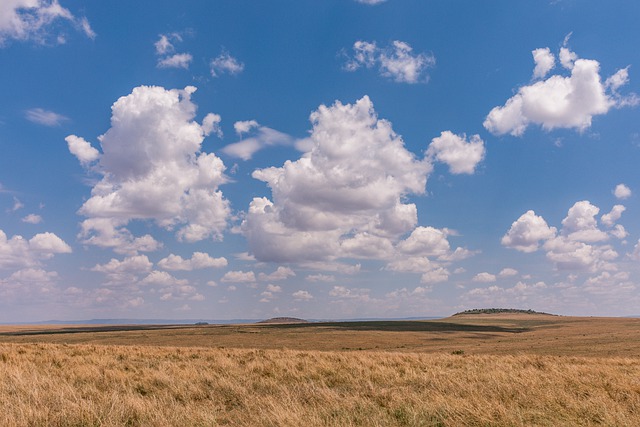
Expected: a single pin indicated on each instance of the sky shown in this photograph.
(325, 159)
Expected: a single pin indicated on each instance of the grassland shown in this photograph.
(485, 370)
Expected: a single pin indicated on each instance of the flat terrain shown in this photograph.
(472, 334)
(469, 370)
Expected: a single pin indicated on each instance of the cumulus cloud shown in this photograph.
(45, 117)
(622, 192)
(454, 150)
(281, 273)
(239, 277)
(508, 272)
(179, 60)
(302, 296)
(199, 260)
(261, 137)
(545, 61)
(19, 252)
(36, 20)
(581, 225)
(397, 61)
(612, 217)
(345, 193)
(559, 101)
(137, 264)
(32, 219)
(82, 149)
(580, 243)
(484, 277)
(165, 51)
(527, 231)
(225, 64)
(152, 168)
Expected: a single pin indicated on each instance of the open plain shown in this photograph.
(476, 370)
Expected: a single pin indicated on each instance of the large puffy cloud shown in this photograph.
(18, 252)
(152, 168)
(527, 231)
(454, 150)
(344, 194)
(560, 101)
(397, 62)
(580, 243)
(34, 19)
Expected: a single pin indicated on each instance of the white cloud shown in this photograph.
(327, 278)
(454, 150)
(622, 192)
(239, 277)
(353, 181)
(263, 137)
(580, 223)
(163, 45)
(371, 2)
(32, 219)
(545, 61)
(484, 277)
(165, 52)
(199, 260)
(559, 101)
(397, 62)
(36, 20)
(45, 117)
(426, 241)
(20, 252)
(361, 294)
(126, 271)
(508, 272)
(612, 217)
(245, 126)
(179, 60)
(527, 231)
(110, 233)
(274, 288)
(17, 205)
(225, 64)
(82, 149)
(438, 275)
(152, 168)
(580, 243)
(302, 296)
(281, 273)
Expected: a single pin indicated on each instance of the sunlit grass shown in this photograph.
(95, 385)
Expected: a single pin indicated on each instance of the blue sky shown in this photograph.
(318, 159)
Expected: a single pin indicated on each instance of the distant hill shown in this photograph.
(284, 320)
(500, 311)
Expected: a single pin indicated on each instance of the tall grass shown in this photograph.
(86, 385)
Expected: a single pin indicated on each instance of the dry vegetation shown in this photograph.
(62, 384)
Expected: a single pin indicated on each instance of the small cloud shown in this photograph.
(622, 192)
(179, 60)
(225, 64)
(32, 219)
(397, 61)
(302, 296)
(44, 117)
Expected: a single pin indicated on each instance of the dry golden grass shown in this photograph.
(90, 385)
(487, 370)
(480, 334)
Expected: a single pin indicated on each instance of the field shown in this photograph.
(483, 370)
